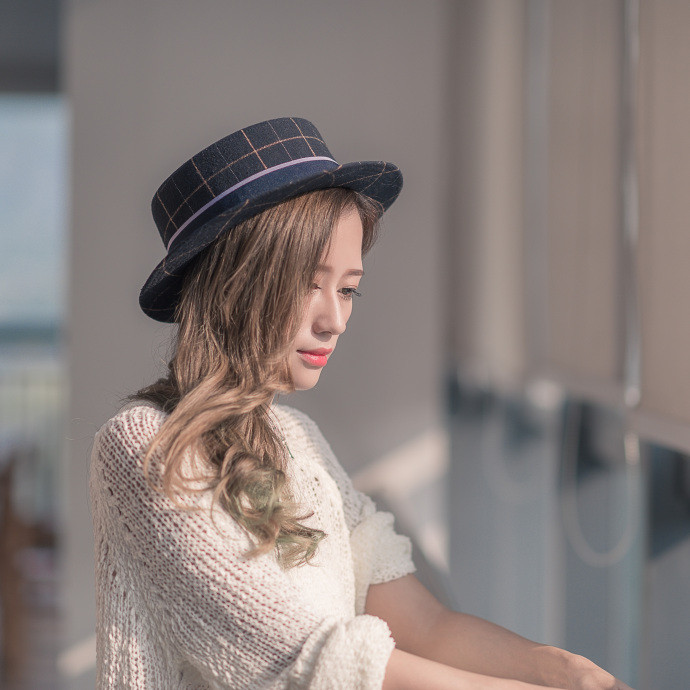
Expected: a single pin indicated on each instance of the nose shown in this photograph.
(331, 313)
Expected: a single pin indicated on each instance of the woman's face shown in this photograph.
(329, 304)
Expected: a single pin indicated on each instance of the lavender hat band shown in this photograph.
(282, 174)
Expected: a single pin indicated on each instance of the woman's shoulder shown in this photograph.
(134, 425)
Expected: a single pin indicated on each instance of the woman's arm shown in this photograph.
(423, 627)
(410, 672)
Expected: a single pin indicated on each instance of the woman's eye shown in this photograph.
(350, 292)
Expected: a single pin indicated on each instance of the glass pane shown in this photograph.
(602, 515)
(667, 629)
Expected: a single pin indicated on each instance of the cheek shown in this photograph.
(348, 306)
(302, 323)
(307, 314)
(347, 311)
(312, 313)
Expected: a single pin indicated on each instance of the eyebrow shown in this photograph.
(351, 272)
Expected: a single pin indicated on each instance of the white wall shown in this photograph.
(150, 83)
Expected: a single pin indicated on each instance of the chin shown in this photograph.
(304, 383)
(304, 378)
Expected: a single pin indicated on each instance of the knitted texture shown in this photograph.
(180, 606)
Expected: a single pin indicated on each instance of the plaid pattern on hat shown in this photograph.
(239, 176)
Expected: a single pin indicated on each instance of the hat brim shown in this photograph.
(378, 180)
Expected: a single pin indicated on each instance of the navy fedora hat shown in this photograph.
(237, 177)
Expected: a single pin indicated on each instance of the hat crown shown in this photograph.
(230, 162)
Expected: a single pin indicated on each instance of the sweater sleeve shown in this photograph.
(239, 621)
(379, 553)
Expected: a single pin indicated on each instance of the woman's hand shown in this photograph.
(584, 674)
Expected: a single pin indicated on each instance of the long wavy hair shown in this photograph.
(239, 311)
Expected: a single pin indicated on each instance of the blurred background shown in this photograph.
(515, 383)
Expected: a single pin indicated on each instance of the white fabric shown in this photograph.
(180, 607)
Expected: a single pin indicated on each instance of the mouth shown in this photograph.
(317, 358)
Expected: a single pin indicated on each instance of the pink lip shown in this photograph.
(316, 358)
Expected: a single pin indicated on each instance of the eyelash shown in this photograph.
(347, 293)
(351, 292)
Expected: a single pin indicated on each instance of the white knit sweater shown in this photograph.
(179, 606)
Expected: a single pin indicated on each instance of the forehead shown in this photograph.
(345, 247)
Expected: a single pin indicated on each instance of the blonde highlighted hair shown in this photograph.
(239, 311)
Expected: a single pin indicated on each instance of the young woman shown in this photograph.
(232, 551)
